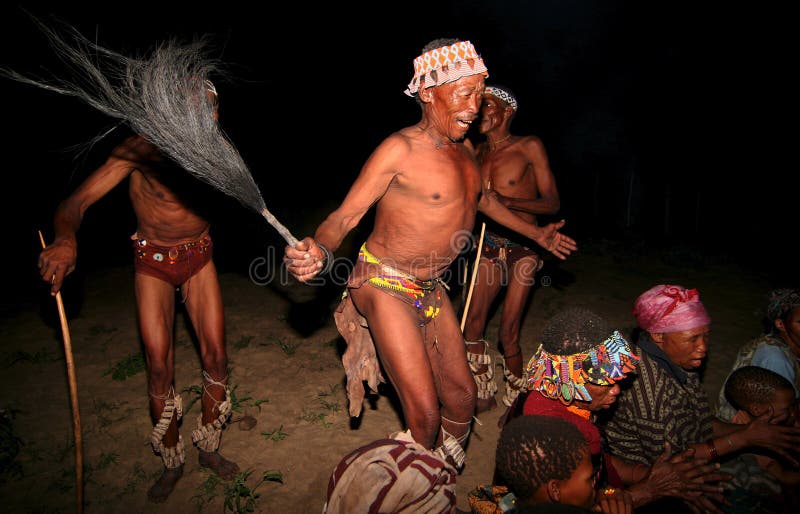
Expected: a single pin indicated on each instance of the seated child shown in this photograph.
(760, 482)
(543, 459)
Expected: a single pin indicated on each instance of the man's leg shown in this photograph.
(398, 342)
(203, 300)
(487, 285)
(521, 281)
(155, 300)
(455, 384)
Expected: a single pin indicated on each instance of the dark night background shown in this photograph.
(665, 122)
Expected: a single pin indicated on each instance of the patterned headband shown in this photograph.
(503, 94)
(446, 64)
(563, 377)
(782, 301)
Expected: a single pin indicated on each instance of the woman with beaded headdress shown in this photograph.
(574, 375)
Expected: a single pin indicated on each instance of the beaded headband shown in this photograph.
(563, 377)
(446, 64)
(503, 94)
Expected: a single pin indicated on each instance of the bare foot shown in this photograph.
(161, 490)
(482, 405)
(218, 464)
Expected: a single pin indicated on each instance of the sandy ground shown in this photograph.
(286, 372)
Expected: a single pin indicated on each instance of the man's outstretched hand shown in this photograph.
(555, 242)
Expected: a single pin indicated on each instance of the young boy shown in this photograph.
(544, 459)
(761, 483)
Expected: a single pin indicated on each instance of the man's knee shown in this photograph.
(426, 417)
(461, 397)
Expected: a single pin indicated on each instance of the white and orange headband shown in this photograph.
(446, 64)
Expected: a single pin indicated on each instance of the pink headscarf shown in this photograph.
(667, 308)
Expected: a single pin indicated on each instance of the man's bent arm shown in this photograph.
(548, 201)
(371, 184)
(58, 259)
(492, 207)
(305, 260)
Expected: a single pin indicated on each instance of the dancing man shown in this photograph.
(516, 171)
(426, 188)
(172, 246)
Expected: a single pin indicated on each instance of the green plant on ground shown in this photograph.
(106, 460)
(243, 342)
(40, 357)
(136, 476)
(96, 330)
(208, 491)
(275, 435)
(103, 410)
(10, 446)
(236, 402)
(331, 406)
(315, 417)
(239, 497)
(288, 347)
(127, 367)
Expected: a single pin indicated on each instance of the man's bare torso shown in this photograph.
(510, 172)
(162, 217)
(422, 221)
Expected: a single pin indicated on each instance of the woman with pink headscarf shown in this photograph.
(666, 402)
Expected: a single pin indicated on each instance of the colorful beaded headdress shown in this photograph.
(446, 64)
(563, 377)
(503, 94)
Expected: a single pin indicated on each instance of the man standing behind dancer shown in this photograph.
(425, 184)
(172, 249)
(516, 170)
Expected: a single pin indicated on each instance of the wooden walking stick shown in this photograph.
(73, 395)
(472, 278)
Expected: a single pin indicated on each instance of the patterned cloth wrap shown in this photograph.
(446, 64)
(503, 251)
(563, 376)
(424, 295)
(394, 475)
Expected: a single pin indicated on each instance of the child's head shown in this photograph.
(754, 390)
(546, 459)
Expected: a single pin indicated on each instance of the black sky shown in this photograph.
(664, 121)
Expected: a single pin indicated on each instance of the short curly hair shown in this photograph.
(534, 449)
(574, 330)
(749, 386)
